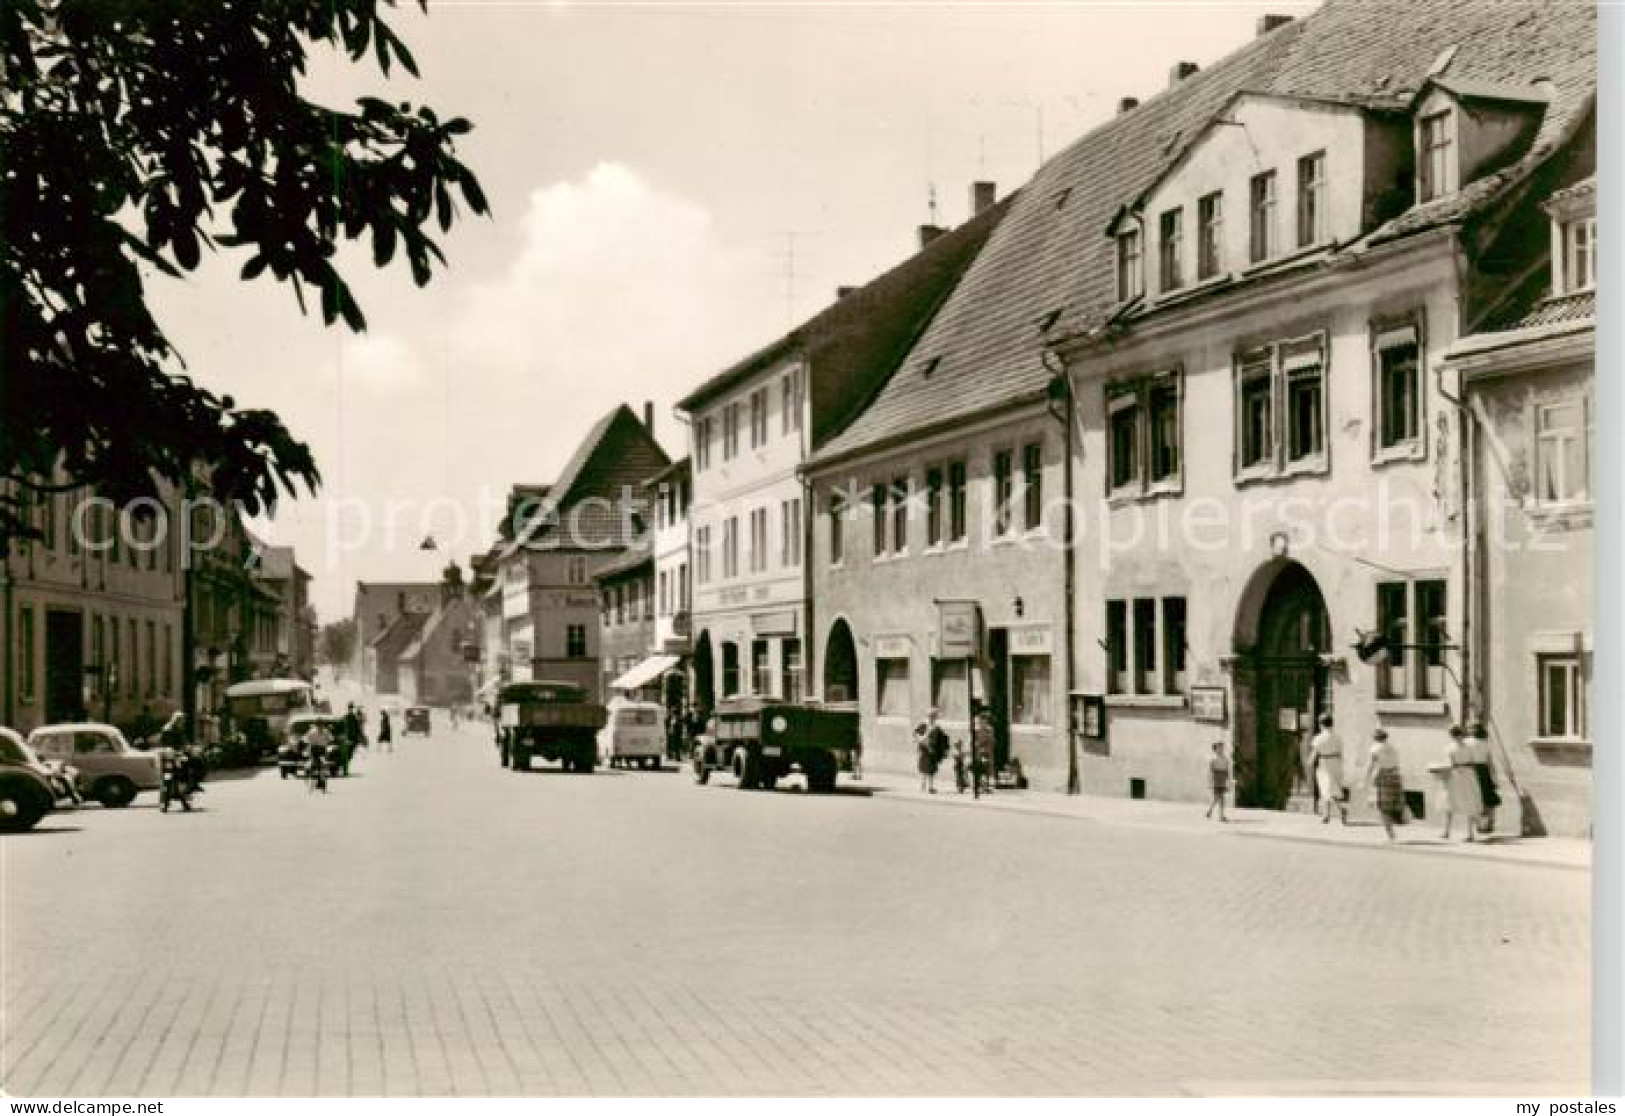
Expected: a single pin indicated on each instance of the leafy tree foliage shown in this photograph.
(336, 644)
(134, 136)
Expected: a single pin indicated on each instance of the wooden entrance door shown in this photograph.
(1289, 685)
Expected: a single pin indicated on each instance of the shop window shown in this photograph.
(1030, 689)
(1564, 681)
(761, 677)
(891, 687)
(790, 669)
(950, 690)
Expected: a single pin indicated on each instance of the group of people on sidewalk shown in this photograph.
(1468, 773)
(973, 772)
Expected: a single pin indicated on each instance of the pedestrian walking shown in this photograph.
(1218, 775)
(1383, 776)
(922, 759)
(1327, 750)
(961, 769)
(386, 735)
(1478, 742)
(982, 753)
(1462, 796)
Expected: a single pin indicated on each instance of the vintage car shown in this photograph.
(759, 741)
(417, 720)
(292, 757)
(30, 787)
(634, 734)
(109, 770)
(553, 720)
(260, 709)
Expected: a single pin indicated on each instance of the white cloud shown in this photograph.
(380, 364)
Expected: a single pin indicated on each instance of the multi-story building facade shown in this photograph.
(438, 667)
(671, 494)
(94, 614)
(294, 638)
(541, 571)
(1529, 382)
(377, 606)
(752, 428)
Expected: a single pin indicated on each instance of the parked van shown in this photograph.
(634, 735)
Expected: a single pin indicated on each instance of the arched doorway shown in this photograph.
(705, 686)
(1282, 632)
(840, 664)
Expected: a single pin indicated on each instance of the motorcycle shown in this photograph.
(175, 783)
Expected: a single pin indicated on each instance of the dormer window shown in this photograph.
(1435, 156)
(1579, 238)
(1129, 277)
(1171, 234)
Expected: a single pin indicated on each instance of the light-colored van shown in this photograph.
(634, 735)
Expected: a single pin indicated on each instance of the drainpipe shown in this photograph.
(11, 649)
(1061, 385)
(1469, 553)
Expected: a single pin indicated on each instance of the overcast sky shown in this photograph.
(646, 166)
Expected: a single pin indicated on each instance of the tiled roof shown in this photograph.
(400, 632)
(1552, 311)
(640, 553)
(1585, 187)
(984, 348)
(854, 343)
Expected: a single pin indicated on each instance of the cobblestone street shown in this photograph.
(436, 925)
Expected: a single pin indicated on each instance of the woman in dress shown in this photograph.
(1479, 742)
(1462, 796)
(1382, 773)
(1327, 747)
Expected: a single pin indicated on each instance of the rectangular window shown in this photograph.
(1430, 626)
(1311, 199)
(1032, 485)
(1029, 689)
(1563, 434)
(730, 670)
(790, 386)
(790, 670)
(25, 654)
(682, 587)
(702, 443)
(575, 641)
(1393, 621)
(1171, 250)
(578, 571)
(1128, 266)
(1433, 157)
(877, 499)
(1163, 405)
(620, 604)
(730, 547)
(790, 534)
(1209, 236)
(664, 590)
(1145, 645)
(950, 692)
(1123, 427)
(1255, 436)
(1173, 645)
(168, 663)
(899, 515)
(891, 687)
(1564, 681)
(956, 501)
(761, 678)
(933, 506)
(730, 431)
(1399, 397)
(1579, 255)
(758, 540)
(837, 527)
(1116, 646)
(702, 554)
(1003, 492)
(1303, 367)
(758, 418)
(1261, 230)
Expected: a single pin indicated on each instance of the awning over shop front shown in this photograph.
(645, 672)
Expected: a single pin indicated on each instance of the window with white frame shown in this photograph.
(730, 431)
(1396, 359)
(790, 533)
(1311, 199)
(933, 506)
(1144, 433)
(1579, 255)
(758, 418)
(702, 554)
(1255, 409)
(1123, 430)
(758, 540)
(1171, 250)
(892, 687)
(761, 677)
(1209, 236)
(1286, 379)
(837, 527)
(1145, 646)
(1032, 486)
(1435, 148)
(1129, 278)
(790, 388)
(1411, 616)
(1563, 436)
(899, 514)
(730, 547)
(790, 670)
(1564, 683)
(956, 502)
(1004, 484)
(1303, 372)
(878, 494)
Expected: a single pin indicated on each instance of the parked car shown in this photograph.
(29, 788)
(760, 741)
(417, 720)
(634, 735)
(110, 771)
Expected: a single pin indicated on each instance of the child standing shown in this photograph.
(1218, 770)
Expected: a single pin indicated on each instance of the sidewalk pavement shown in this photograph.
(1362, 831)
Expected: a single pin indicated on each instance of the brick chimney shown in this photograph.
(1127, 104)
(928, 233)
(649, 416)
(982, 197)
(1268, 23)
(842, 292)
(1181, 71)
